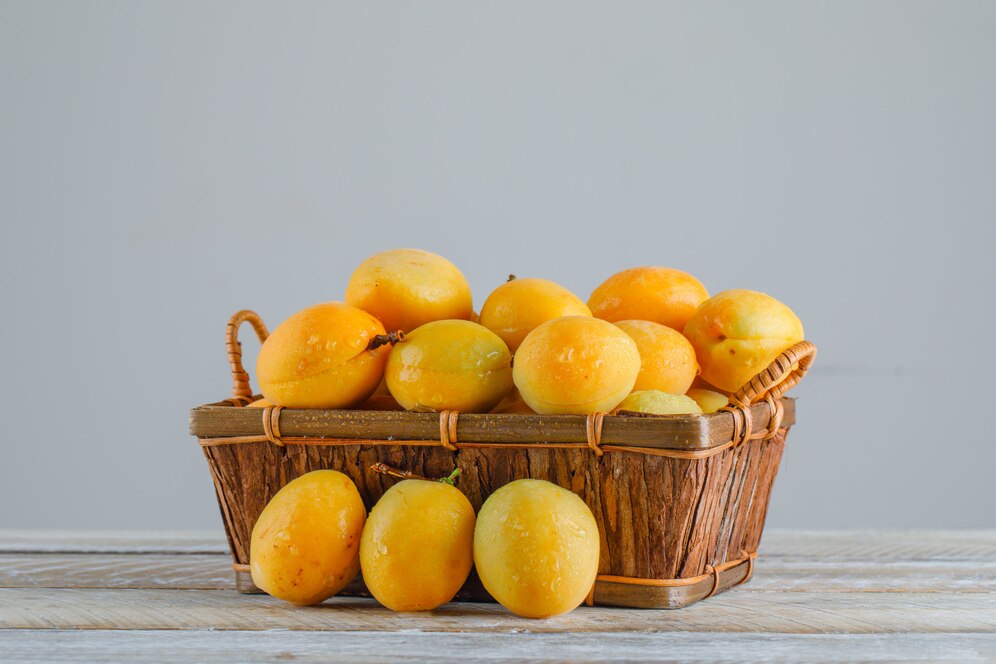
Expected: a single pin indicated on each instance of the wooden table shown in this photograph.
(833, 596)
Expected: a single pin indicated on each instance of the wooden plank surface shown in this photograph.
(844, 596)
(281, 646)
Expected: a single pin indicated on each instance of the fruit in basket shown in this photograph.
(321, 358)
(518, 306)
(659, 403)
(536, 548)
(305, 546)
(738, 333)
(667, 358)
(660, 294)
(406, 288)
(708, 400)
(417, 545)
(575, 365)
(450, 365)
(261, 403)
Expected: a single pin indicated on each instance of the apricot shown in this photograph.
(406, 288)
(514, 408)
(518, 306)
(450, 365)
(659, 403)
(738, 333)
(667, 358)
(660, 294)
(708, 400)
(261, 403)
(417, 545)
(536, 548)
(319, 358)
(575, 365)
(305, 546)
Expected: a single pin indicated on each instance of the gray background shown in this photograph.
(164, 164)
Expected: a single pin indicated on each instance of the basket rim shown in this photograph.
(678, 432)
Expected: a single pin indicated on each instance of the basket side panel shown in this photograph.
(658, 517)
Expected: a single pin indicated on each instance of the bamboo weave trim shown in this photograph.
(713, 572)
(335, 442)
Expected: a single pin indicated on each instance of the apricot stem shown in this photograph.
(384, 339)
(451, 480)
(511, 277)
(384, 469)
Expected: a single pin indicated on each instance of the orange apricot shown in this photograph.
(667, 358)
(738, 333)
(406, 288)
(575, 365)
(320, 358)
(450, 365)
(518, 306)
(660, 294)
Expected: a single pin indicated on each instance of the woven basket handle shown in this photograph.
(241, 391)
(782, 375)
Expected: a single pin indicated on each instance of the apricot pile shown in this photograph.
(406, 337)
(535, 545)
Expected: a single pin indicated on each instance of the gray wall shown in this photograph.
(164, 164)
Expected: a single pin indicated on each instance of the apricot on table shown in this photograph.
(738, 333)
(417, 545)
(518, 306)
(320, 358)
(708, 400)
(660, 294)
(667, 358)
(536, 548)
(305, 546)
(406, 288)
(659, 403)
(450, 365)
(575, 365)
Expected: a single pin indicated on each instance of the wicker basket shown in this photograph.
(680, 500)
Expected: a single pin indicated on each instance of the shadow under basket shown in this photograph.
(680, 500)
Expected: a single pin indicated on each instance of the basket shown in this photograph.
(680, 500)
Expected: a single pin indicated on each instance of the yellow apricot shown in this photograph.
(536, 548)
(518, 306)
(708, 400)
(514, 408)
(318, 358)
(667, 358)
(575, 365)
(660, 294)
(659, 403)
(417, 546)
(261, 403)
(305, 546)
(450, 365)
(406, 288)
(738, 333)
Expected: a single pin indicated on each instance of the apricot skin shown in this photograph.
(667, 358)
(660, 294)
(318, 358)
(575, 365)
(417, 545)
(738, 333)
(708, 400)
(406, 288)
(518, 306)
(536, 548)
(450, 365)
(660, 403)
(306, 543)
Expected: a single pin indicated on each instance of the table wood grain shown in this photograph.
(828, 596)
